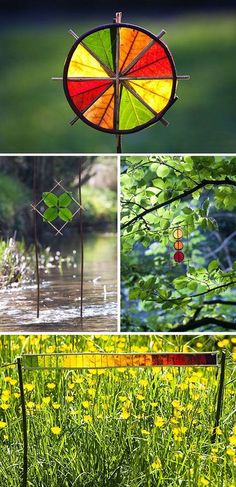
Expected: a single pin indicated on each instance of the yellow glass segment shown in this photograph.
(94, 361)
(178, 233)
(83, 64)
(101, 113)
(156, 93)
(132, 42)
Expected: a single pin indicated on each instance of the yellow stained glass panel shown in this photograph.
(156, 93)
(83, 64)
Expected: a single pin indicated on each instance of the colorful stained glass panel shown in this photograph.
(127, 59)
(96, 360)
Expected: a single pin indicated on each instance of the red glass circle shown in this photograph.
(179, 256)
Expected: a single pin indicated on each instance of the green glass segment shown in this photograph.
(132, 112)
(103, 44)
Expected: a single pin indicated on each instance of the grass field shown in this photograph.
(125, 427)
(35, 113)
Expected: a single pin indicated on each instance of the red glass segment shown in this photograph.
(179, 256)
(83, 93)
(154, 62)
(181, 359)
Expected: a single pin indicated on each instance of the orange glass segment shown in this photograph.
(101, 113)
(178, 233)
(132, 42)
(178, 245)
(112, 360)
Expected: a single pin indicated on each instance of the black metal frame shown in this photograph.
(156, 118)
(20, 367)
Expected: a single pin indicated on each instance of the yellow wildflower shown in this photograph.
(46, 400)
(4, 406)
(230, 451)
(179, 455)
(29, 387)
(123, 398)
(177, 405)
(79, 379)
(156, 465)
(91, 392)
(143, 382)
(11, 381)
(86, 404)
(30, 404)
(204, 481)
(56, 430)
(3, 424)
(213, 458)
(69, 398)
(56, 405)
(87, 418)
(232, 440)
(51, 385)
(159, 421)
(140, 397)
(125, 414)
(145, 432)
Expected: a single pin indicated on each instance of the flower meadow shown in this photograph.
(118, 427)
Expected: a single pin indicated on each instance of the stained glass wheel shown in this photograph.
(120, 78)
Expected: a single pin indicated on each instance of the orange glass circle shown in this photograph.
(178, 245)
(178, 233)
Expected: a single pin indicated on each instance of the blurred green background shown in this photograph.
(35, 112)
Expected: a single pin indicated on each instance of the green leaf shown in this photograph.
(158, 183)
(214, 264)
(50, 199)
(65, 214)
(103, 44)
(64, 199)
(132, 112)
(50, 214)
(162, 171)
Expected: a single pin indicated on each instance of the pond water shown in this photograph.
(60, 290)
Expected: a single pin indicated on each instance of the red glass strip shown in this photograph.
(181, 359)
(83, 93)
(154, 62)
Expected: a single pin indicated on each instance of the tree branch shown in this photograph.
(222, 245)
(204, 182)
(193, 324)
(199, 294)
(220, 301)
